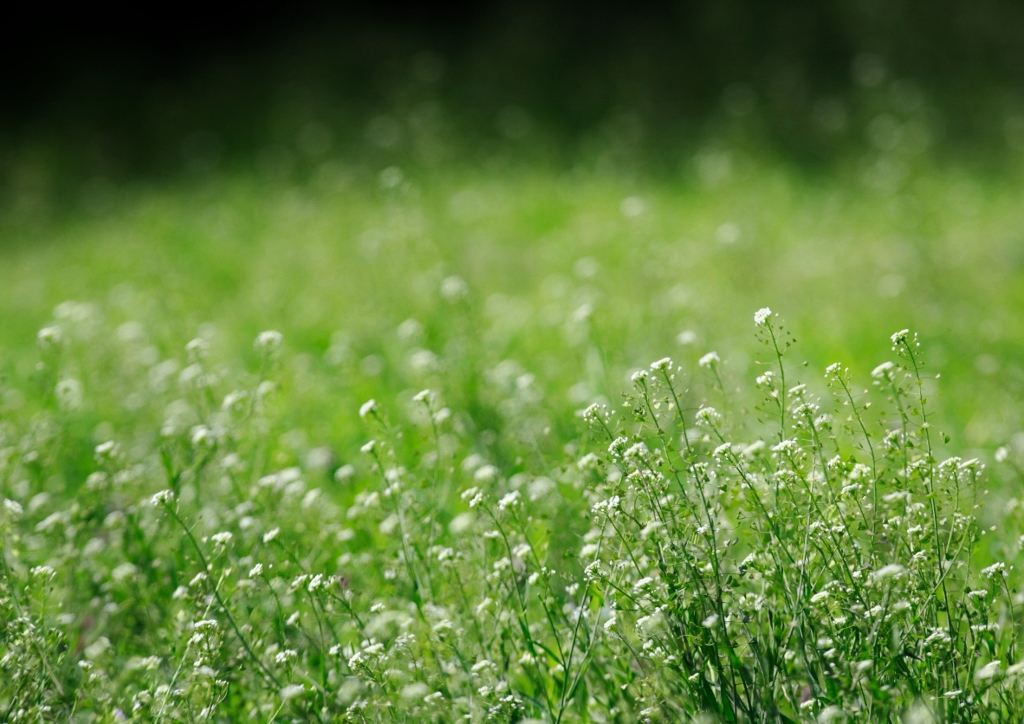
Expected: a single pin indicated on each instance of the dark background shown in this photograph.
(117, 91)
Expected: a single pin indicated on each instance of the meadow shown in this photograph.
(505, 441)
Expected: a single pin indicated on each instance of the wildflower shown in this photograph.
(707, 416)
(637, 452)
(235, 401)
(285, 656)
(43, 572)
(786, 446)
(164, 497)
(256, 570)
(709, 361)
(269, 341)
(202, 437)
(830, 714)
(710, 621)
(271, 535)
(900, 337)
(416, 690)
(661, 365)
(1002, 454)
(761, 316)
(106, 451)
(422, 396)
(594, 413)
(753, 448)
(222, 538)
(722, 449)
(69, 393)
(994, 570)
(454, 288)
(291, 691)
(988, 671)
(1015, 669)
(882, 370)
(368, 408)
(893, 570)
(49, 337)
(510, 500)
(486, 474)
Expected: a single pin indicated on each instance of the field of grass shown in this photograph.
(391, 505)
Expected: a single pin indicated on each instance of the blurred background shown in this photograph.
(119, 94)
(575, 187)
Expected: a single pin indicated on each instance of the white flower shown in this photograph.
(291, 691)
(709, 361)
(256, 570)
(509, 500)
(893, 570)
(454, 288)
(486, 474)
(422, 396)
(368, 407)
(988, 671)
(269, 341)
(271, 535)
(761, 316)
(106, 450)
(235, 401)
(786, 446)
(45, 571)
(1015, 669)
(900, 336)
(710, 621)
(368, 447)
(994, 569)
(416, 690)
(661, 365)
(49, 337)
(830, 714)
(222, 538)
(1002, 454)
(164, 496)
(707, 416)
(202, 436)
(69, 393)
(882, 370)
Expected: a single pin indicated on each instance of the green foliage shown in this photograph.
(189, 530)
(811, 561)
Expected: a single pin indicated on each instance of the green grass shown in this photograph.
(532, 294)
